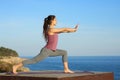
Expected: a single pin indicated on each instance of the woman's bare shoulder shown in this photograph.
(51, 31)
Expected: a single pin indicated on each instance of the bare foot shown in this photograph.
(14, 68)
(68, 71)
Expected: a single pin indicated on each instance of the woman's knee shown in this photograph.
(65, 57)
(64, 52)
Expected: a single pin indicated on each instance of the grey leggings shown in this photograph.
(46, 53)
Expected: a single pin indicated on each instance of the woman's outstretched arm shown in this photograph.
(63, 30)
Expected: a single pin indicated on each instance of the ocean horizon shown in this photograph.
(81, 63)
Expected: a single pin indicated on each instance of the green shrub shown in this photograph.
(8, 52)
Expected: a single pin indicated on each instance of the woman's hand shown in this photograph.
(76, 27)
(72, 29)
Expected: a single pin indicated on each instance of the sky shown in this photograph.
(21, 23)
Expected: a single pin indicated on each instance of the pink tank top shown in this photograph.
(52, 42)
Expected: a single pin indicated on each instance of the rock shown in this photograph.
(6, 64)
(8, 58)
(5, 67)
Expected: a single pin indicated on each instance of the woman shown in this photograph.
(51, 37)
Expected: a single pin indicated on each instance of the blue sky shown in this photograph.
(98, 34)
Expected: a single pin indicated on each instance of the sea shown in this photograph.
(81, 63)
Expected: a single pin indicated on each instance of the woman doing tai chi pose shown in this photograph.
(49, 50)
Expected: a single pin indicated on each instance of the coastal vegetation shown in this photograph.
(8, 52)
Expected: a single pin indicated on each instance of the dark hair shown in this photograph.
(47, 22)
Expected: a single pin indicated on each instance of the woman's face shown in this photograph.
(54, 21)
